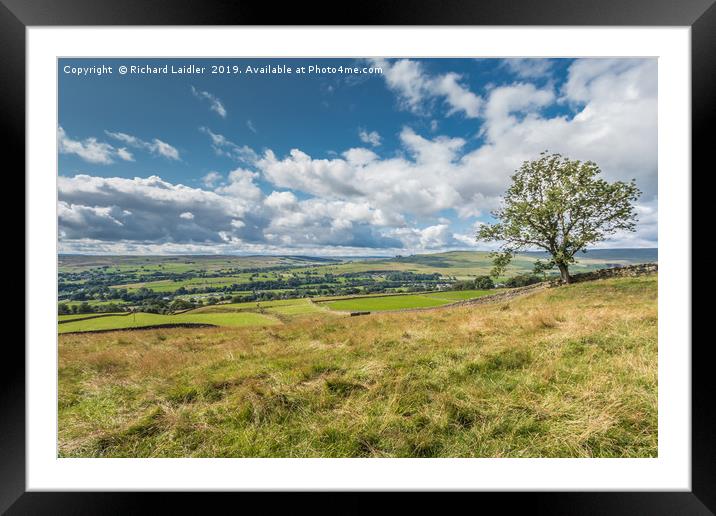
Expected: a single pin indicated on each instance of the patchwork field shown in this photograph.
(566, 372)
(189, 276)
(260, 313)
(251, 305)
(140, 320)
(398, 302)
(71, 317)
(171, 286)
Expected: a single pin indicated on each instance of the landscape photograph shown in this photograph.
(366, 258)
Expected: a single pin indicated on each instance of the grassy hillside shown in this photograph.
(145, 319)
(262, 313)
(230, 314)
(567, 372)
(393, 302)
(179, 263)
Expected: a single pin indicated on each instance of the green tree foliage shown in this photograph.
(500, 261)
(542, 266)
(180, 304)
(522, 280)
(561, 206)
(85, 308)
(479, 283)
(484, 283)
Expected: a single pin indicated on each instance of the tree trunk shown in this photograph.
(564, 272)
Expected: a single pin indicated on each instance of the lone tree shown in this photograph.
(561, 206)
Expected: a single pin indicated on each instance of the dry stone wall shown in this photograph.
(615, 272)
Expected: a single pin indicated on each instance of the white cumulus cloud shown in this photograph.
(210, 179)
(529, 68)
(416, 88)
(90, 149)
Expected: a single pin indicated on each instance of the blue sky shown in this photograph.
(408, 159)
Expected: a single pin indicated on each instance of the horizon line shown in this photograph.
(391, 255)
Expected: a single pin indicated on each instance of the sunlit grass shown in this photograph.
(139, 320)
(566, 372)
(385, 303)
(461, 295)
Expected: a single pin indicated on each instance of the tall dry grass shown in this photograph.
(568, 372)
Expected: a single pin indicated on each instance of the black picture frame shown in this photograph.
(17, 15)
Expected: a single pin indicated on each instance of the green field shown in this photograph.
(72, 317)
(398, 302)
(226, 314)
(263, 312)
(564, 372)
(279, 307)
(461, 295)
(249, 306)
(94, 303)
(295, 309)
(171, 286)
(139, 320)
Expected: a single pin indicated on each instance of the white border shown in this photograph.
(671, 470)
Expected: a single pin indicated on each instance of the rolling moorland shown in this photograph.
(563, 372)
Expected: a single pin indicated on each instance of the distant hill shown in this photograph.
(451, 263)
(465, 263)
(636, 255)
(80, 260)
